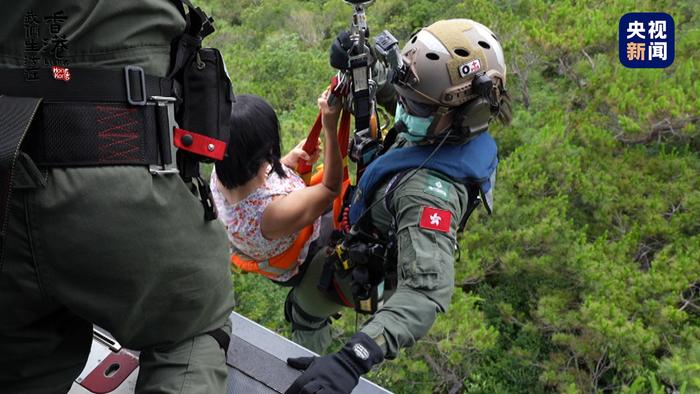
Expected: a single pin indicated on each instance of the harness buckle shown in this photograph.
(166, 124)
(141, 83)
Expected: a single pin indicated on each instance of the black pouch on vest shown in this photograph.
(204, 94)
(205, 112)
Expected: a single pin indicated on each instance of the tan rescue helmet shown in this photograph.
(446, 57)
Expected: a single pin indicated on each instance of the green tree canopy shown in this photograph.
(587, 276)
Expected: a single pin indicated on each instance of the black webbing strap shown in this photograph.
(361, 93)
(473, 193)
(16, 115)
(198, 22)
(86, 85)
(91, 134)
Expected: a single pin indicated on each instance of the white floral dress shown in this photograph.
(243, 219)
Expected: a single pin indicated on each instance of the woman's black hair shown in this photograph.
(255, 139)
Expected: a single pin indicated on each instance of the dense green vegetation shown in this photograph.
(587, 278)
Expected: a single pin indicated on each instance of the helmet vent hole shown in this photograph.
(494, 36)
(432, 56)
(461, 52)
(414, 39)
(484, 45)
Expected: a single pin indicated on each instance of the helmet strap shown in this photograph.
(437, 117)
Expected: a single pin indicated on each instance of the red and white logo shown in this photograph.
(475, 65)
(61, 73)
(470, 68)
(436, 219)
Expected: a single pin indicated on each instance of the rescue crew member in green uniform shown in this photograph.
(112, 245)
(408, 208)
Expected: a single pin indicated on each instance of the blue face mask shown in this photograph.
(417, 126)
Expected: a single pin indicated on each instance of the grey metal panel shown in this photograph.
(261, 354)
(240, 383)
(260, 365)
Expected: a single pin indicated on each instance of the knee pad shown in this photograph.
(305, 321)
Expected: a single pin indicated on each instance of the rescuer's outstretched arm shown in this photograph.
(426, 230)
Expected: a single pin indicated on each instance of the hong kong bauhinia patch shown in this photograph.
(436, 219)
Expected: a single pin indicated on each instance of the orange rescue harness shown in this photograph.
(277, 265)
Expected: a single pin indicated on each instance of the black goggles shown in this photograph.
(417, 109)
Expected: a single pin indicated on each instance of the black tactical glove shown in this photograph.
(338, 372)
(340, 60)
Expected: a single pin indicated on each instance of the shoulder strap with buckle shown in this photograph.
(16, 116)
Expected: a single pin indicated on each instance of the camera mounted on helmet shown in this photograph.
(453, 67)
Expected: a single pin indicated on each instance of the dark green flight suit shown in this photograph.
(114, 246)
(425, 268)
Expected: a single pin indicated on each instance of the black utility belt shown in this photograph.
(91, 117)
(94, 117)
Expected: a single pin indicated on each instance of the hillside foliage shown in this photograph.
(587, 277)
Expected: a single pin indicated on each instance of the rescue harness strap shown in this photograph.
(338, 91)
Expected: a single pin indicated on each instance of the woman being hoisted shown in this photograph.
(271, 216)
